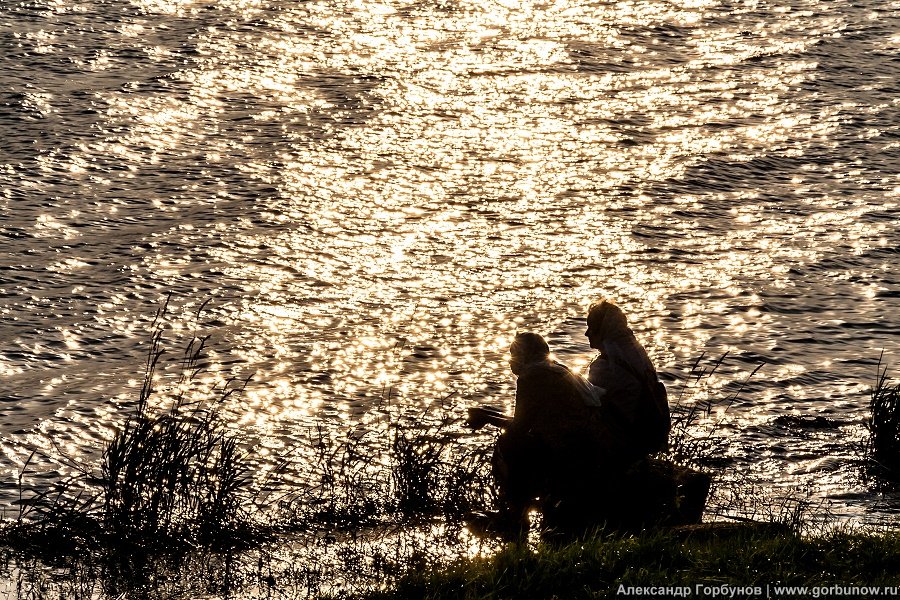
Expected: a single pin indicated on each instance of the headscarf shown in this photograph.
(618, 342)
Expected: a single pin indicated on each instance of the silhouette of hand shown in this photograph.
(478, 418)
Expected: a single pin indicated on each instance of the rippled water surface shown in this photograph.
(376, 196)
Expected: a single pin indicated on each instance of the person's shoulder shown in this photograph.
(599, 365)
(542, 375)
(525, 377)
(533, 372)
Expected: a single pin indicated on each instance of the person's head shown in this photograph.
(527, 347)
(605, 321)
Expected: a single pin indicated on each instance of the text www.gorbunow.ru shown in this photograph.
(701, 590)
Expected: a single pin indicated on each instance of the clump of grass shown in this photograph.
(408, 469)
(169, 476)
(416, 465)
(883, 445)
(699, 439)
(336, 485)
(434, 472)
(177, 474)
(694, 440)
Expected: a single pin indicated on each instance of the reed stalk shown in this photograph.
(178, 473)
(882, 449)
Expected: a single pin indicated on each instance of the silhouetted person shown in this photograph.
(552, 444)
(635, 398)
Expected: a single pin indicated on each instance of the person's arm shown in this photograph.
(479, 416)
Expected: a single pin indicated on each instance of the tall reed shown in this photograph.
(883, 445)
(177, 472)
(694, 440)
(174, 472)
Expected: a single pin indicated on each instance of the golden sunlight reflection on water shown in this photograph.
(452, 195)
(417, 182)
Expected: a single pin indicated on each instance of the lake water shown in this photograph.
(377, 196)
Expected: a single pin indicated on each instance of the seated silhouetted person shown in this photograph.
(634, 490)
(553, 443)
(635, 397)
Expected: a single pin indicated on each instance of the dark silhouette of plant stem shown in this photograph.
(883, 445)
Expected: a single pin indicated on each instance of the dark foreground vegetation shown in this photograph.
(883, 445)
(171, 475)
(708, 563)
(180, 502)
(178, 507)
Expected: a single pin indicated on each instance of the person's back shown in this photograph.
(549, 407)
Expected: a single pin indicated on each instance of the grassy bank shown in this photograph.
(603, 566)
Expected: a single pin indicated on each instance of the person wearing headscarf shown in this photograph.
(634, 395)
